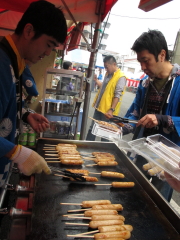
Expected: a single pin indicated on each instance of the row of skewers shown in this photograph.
(65, 153)
(104, 217)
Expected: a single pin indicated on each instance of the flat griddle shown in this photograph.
(150, 214)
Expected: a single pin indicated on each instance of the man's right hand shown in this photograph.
(29, 161)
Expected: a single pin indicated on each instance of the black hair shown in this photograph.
(153, 41)
(110, 59)
(46, 19)
(66, 65)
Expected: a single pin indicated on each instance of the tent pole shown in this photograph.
(90, 76)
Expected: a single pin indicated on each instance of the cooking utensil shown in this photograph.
(120, 121)
(76, 176)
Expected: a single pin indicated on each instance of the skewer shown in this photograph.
(53, 161)
(117, 207)
(93, 119)
(88, 204)
(49, 144)
(49, 148)
(113, 228)
(51, 151)
(79, 210)
(66, 161)
(108, 163)
(101, 217)
(86, 233)
(118, 235)
(66, 215)
(82, 236)
(118, 184)
(81, 178)
(96, 224)
(51, 155)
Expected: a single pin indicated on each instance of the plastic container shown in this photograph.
(161, 151)
(105, 133)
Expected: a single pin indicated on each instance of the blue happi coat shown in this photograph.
(171, 107)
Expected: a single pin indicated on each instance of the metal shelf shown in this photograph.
(56, 135)
(78, 92)
(60, 92)
(61, 114)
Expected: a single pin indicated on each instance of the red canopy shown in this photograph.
(82, 10)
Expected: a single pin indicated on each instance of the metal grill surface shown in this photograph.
(144, 208)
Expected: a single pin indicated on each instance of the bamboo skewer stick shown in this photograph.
(53, 161)
(93, 119)
(77, 224)
(50, 145)
(95, 173)
(104, 164)
(80, 236)
(86, 233)
(51, 151)
(47, 154)
(71, 204)
(80, 214)
(89, 218)
(90, 203)
(49, 148)
(79, 210)
(117, 184)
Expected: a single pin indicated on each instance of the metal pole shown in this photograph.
(90, 75)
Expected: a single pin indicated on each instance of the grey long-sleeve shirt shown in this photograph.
(118, 90)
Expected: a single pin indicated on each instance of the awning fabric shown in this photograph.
(82, 10)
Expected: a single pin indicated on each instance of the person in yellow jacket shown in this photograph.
(108, 98)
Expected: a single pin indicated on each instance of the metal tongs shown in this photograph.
(119, 120)
(76, 176)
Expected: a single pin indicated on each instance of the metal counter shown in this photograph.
(150, 214)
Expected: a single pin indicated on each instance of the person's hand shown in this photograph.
(29, 161)
(173, 182)
(38, 122)
(148, 121)
(109, 114)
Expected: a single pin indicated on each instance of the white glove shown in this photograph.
(29, 161)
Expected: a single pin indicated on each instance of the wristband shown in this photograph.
(24, 117)
(112, 109)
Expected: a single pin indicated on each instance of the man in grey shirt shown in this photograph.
(108, 98)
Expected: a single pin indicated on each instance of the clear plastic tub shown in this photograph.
(105, 133)
(161, 151)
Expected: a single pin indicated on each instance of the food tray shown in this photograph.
(144, 208)
(157, 150)
(107, 133)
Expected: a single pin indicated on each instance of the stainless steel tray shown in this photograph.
(150, 214)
